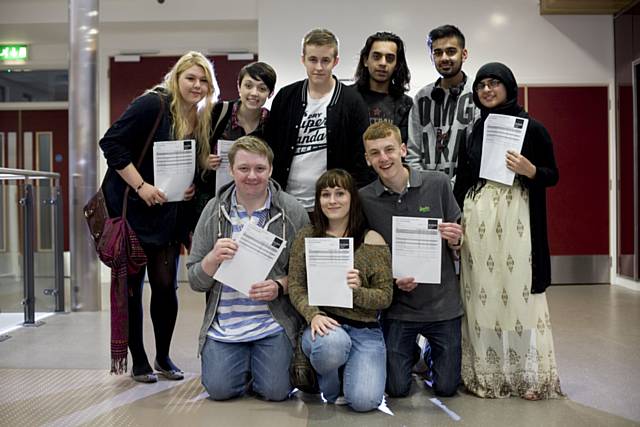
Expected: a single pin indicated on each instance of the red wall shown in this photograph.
(578, 207)
(130, 79)
(54, 121)
(625, 169)
(57, 122)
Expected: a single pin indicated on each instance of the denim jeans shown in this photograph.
(227, 368)
(361, 351)
(445, 340)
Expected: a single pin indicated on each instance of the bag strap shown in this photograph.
(223, 113)
(144, 151)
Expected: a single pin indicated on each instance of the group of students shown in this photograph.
(331, 160)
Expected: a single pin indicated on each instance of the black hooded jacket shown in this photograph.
(537, 148)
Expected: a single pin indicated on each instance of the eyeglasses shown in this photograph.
(491, 84)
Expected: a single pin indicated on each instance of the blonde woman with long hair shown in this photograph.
(188, 92)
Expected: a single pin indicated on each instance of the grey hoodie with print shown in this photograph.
(286, 217)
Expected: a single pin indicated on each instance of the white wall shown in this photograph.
(539, 49)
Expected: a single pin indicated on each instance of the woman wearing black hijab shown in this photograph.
(507, 345)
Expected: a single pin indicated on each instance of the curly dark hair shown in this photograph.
(401, 76)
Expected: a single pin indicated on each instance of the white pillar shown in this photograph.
(83, 47)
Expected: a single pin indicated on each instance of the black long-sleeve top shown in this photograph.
(122, 144)
(538, 148)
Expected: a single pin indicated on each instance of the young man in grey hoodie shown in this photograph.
(443, 112)
(246, 340)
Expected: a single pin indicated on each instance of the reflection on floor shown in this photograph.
(55, 375)
(12, 321)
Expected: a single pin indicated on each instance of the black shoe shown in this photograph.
(148, 378)
(143, 373)
(174, 373)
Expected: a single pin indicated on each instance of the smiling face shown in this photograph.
(491, 92)
(385, 156)
(448, 56)
(335, 203)
(193, 85)
(382, 60)
(319, 62)
(253, 92)
(251, 173)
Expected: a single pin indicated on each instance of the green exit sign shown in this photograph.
(14, 52)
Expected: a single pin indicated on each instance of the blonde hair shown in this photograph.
(251, 144)
(380, 130)
(320, 37)
(202, 130)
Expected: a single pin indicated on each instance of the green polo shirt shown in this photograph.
(428, 195)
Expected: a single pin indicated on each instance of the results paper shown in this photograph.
(417, 249)
(258, 250)
(501, 133)
(328, 261)
(174, 164)
(223, 173)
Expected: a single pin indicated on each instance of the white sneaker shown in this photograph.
(340, 401)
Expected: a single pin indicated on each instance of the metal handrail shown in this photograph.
(8, 174)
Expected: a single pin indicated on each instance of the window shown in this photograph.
(43, 208)
(34, 86)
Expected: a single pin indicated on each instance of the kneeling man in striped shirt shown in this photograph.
(246, 343)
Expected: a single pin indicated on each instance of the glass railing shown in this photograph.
(31, 243)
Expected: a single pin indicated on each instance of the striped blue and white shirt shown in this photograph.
(239, 318)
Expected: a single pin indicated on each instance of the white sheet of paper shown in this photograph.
(223, 173)
(328, 261)
(258, 250)
(174, 163)
(417, 248)
(501, 133)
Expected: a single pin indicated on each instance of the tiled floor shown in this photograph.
(57, 375)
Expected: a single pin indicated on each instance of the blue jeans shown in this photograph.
(361, 351)
(445, 340)
(228, 367)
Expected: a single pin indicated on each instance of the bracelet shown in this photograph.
(140, 186)
(280, 288)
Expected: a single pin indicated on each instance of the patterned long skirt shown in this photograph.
(507, 345)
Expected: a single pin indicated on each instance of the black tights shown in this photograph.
(162, 264)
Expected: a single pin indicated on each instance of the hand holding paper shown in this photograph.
(266, 290)
(519, 164)
(214, 161)
(451, 232)
(223, 249)
(353, 279)
(406, 284)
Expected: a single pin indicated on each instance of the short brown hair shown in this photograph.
(251, 144)
(380, 130)
(320, 37)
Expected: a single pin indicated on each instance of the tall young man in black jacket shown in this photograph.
(317, 124)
